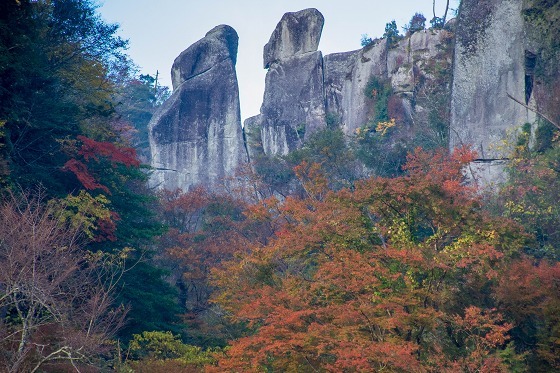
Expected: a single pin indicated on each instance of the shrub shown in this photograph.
(417, 23)
(365, 40)
(165, 349)
(391, 33)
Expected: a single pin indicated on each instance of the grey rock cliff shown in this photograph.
(445, 87)
(337, 71)
(304, 91)
(360, 66)
(196, 136)
(489, 65)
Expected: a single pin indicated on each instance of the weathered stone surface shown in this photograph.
(487, 175)
(196, 136)
(293, 103)
(347, 75)
(303, 92)
(356, 107)
(337, 72)
(411, 57)
(218, 45)
(489, 64)
(253, 136)
(296, 33)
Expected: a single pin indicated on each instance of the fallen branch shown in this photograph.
(535, 111)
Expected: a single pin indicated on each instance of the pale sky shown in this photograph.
(158, 31)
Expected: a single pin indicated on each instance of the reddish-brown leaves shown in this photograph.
(92, 150)
(84, 176)
(370, 279)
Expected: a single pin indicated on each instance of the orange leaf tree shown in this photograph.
(205, 229)
(392, 275)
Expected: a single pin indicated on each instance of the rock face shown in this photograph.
(441, 89)
(338, 71)
(305, 92)
(196, 136)
(296, 33)
(450, 94)
(405, 66)
(489, 65)
(293, 104)
(360, 67)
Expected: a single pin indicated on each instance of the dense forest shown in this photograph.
(312, 264)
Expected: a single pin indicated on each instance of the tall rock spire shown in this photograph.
(196, 136)
(294, 100)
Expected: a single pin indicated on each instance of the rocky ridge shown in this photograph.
(444, 87)
(305, 90)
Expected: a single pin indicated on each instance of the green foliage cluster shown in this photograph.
(365, 40)
(530, 197)
(55, 57)
(164, 345)
(532, 187)
(379, 91)
(391, 33)
(416, 23)
(328, 148)
(437, 22)
(376, 148)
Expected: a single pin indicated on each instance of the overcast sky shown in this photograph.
(159, 30)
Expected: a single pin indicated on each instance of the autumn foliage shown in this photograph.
(55, 301)
(97, 151)
(392, 275)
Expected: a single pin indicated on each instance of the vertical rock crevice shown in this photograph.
(530, 63)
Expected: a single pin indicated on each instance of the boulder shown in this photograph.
(219, 44)
(196, 136)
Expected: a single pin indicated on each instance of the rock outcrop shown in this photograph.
(305, 92)
(296, 34)
(489, 65)
(406, 66)
(196, 136)
(293, 104)
(441, 89)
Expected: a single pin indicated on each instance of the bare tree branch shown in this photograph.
(535, 111)
(60, 293)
